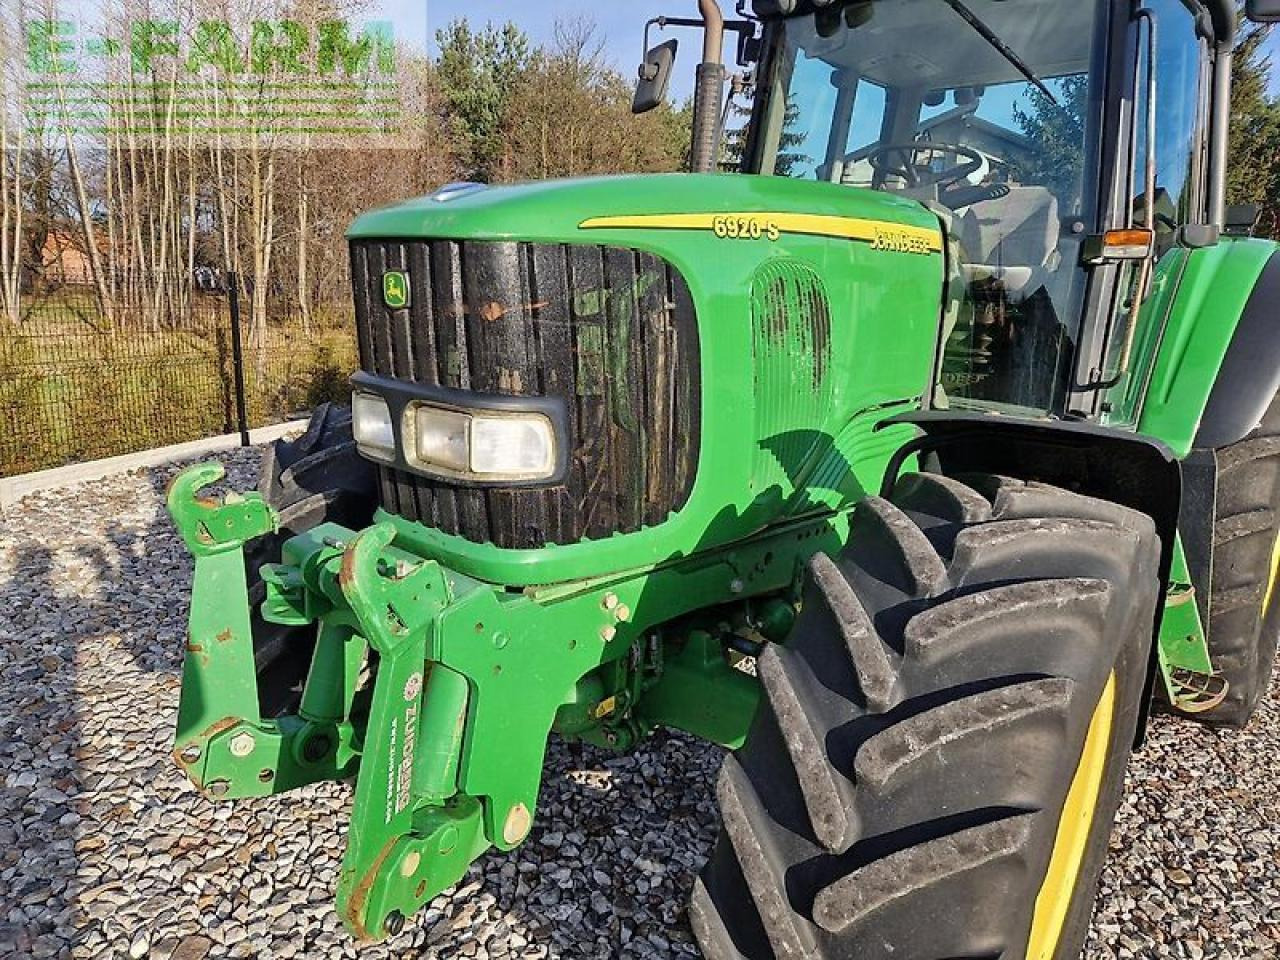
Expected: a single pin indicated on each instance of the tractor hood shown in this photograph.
(557, 210)
(796, 316)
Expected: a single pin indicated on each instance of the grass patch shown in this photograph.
(70, 393)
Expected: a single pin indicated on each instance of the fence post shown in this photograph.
(226, 391)
(237, 356)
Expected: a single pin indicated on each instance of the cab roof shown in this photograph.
(1220, 18)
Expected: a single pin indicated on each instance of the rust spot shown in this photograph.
(222, 726)
(224, 636)
(347, 573)
(493, 311)
(510, 381)
(184, 767)
(360, 893)
(195, 648)
(460, 725)
(202, 741)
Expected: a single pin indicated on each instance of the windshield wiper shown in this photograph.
(1000, 47)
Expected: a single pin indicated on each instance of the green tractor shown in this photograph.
(912, 464)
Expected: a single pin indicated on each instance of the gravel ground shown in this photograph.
(105, 851)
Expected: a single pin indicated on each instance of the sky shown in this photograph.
(1273, 45)
(621, 25)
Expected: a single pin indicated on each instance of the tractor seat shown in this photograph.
(1013, 239)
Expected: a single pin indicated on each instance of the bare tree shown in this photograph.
(570, 114)
(12, 146)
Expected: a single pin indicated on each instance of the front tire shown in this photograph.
(941, 747)
(317, 478)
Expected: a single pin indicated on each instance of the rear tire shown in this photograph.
(1244, 614)
(318, 478)
(962, 687)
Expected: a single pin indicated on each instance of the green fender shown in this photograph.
(1207, 366)
(1203, 300)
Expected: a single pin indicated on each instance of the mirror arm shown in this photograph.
(742, 27)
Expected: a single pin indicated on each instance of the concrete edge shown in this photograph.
(13, 489)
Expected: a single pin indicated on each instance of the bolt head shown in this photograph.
(610, 601)
(316, 748)
(622, 612)
(394, 922)
(242, 744)
(608, 633)
(190, 753)
(409, 865)
(218, 788)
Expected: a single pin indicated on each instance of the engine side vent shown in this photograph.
(791, 323)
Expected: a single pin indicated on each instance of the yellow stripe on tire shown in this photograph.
(1271, 581)
(1057, 893)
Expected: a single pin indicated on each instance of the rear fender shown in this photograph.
(1216, 371)
(1217, 365)
(1249, 377)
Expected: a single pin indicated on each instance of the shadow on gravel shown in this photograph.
(93, 585)
(106, 851)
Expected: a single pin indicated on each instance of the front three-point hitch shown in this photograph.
(438, 690)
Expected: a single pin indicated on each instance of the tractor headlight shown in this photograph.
(519, 445)
(461, 435)
(373, 427)
(442, 438)
(480, 445)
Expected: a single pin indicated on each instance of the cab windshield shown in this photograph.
(981, 109)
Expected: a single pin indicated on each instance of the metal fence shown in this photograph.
(90, 371)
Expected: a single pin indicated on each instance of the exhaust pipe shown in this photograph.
(709, 92)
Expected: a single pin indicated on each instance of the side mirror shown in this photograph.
(1263, 11)
(655, 77)
(1242, 219)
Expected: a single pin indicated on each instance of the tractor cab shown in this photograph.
(1025, 126)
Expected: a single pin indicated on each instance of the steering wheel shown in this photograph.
(883, 162)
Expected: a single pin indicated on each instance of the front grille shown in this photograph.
(613, 331)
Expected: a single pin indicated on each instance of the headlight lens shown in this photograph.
(521, 446)
(371, 424)
(484, 446)
(441, 438)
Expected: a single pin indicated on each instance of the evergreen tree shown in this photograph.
(1253, 174)
(477, 72)
(737, 129)
(1056, 132)
(790, 159)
